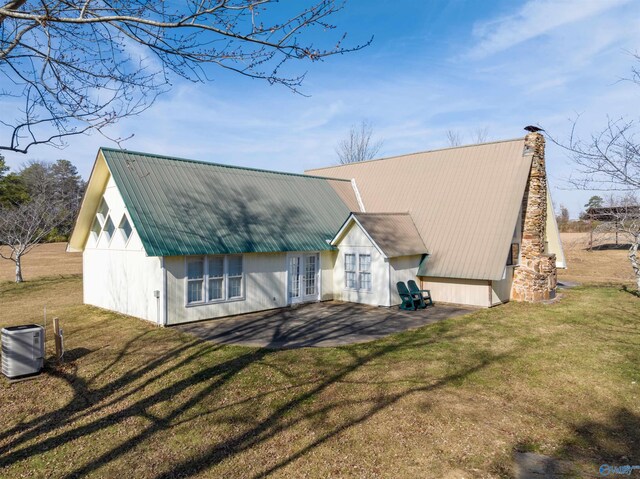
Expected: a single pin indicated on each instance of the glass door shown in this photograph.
(310, 276)
(295, 295)
(303, 277)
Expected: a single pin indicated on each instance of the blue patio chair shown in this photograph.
(418, 294)
(409, 302)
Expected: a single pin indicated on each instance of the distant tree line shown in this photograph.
(38, 203)
(587, 220)
(567, 225)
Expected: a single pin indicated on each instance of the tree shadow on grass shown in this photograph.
(284, 417)
(634, 292)
(188, 393)
(610, 246)
(85, 397)
(615, 441)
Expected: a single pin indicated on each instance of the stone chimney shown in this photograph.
(535, 278)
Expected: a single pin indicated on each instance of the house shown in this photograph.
(173, 240)
(483, 211)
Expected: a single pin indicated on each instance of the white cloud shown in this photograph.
(535, 18)
(573, 56)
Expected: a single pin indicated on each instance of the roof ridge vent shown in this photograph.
(357, 193)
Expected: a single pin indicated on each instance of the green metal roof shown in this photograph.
(183, 207)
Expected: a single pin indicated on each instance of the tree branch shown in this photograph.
(62, 57)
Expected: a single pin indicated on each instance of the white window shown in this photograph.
(216, 278)
(357, 271)
(96, 228)
(103, 211)
(125, 228)
(350, 271)
(364, 270)
(234, 272)
(109, 228)
(195, 280)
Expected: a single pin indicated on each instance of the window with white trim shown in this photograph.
(357, 271)
(96, 229)
(216, 278)
(234, 275)
(125, 228)
(109, 228)
(101, 222)
(350, 271)
(195, 280)
(364, 272)
(103, 211)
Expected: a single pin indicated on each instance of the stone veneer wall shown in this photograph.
(534, 279)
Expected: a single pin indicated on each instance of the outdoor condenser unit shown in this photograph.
(22, 350)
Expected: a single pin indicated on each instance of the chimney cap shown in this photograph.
(533, 129)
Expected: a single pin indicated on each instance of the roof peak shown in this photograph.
(222, 165)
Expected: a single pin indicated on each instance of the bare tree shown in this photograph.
(479, 135)
(358, 146)
(563, 218)
(454, 138)
(23, 226)
(622, 218)
(608, 161)
(78, 66)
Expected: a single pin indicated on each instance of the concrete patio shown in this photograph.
(325, 324)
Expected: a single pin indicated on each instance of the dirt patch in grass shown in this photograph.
(47, 259)
(454, 399)
(607, 264)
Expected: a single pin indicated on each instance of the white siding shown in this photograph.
(117, 275)
(355, 241)
(501, 290)
(403, 268)
(265, 277)
(552, 235)
(458, 291)
(327, 264)
(122, 281)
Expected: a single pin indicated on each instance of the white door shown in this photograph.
(303, 278)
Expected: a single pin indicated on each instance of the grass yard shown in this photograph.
(454, 399)
(604, 266)
(45, 260)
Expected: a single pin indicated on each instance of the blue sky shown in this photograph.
(432, 67)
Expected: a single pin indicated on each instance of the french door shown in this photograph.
(303, 273)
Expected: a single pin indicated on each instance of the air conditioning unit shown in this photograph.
(22, 350)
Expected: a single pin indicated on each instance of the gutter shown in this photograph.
(163, 317)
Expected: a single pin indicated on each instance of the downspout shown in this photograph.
(165, 305)
(389, 281)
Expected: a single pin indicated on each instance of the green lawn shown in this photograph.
(454, 399)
